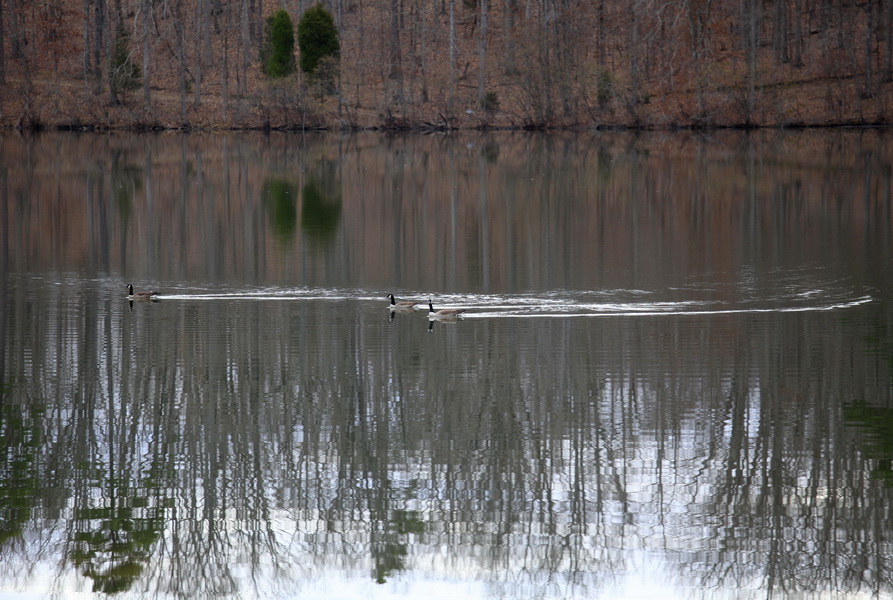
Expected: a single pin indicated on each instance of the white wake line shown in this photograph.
(246, 297)
(618, 310)
(636, 313)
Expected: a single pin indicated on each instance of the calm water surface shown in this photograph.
(672, 378)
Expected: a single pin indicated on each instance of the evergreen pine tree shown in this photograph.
(317, 38)
(278, 54)
(125, 74)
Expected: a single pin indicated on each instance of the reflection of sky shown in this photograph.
(646, 558)
(646, 582)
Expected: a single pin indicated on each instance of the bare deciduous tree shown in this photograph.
(395, 58)
(146, 18)
(2, 47)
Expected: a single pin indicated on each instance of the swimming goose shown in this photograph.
(394, 305)
(445, 313)
(140, 295)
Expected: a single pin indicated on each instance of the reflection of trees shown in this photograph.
(252, 441)
(20, 484)
(876, 424)
(113, 541)
(390, 546)
(320, 213)
(785, 504)
(196, 197)
(126, 181)
(202, 448)
(121, 486)
(281, 199)
(321, 202)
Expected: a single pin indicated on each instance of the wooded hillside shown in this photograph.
(451, 63)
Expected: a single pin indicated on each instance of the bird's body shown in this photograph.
(404, 305)
(445, 313)
(140, 295)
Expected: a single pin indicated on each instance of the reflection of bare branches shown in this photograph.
(278, 461)
(277, 443)
(273, 461)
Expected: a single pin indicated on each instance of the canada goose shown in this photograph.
(140, 295)
(446, 313)
(394, 305)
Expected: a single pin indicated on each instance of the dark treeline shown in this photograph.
(471, 63)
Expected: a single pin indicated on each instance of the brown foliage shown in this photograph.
(549, 64)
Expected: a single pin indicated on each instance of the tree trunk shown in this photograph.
(423, 50)
(825, 15)
(888, 38)
(780, 32)
(147, 50)
(451, 105)
(508, 26)
(227, 21)
(2, 47)
(181, 56)
(841, 25)
(98, 39)
(118, 33)
(697, 19)
(635, 62)
(566, 61)
(868, 92)
(88, 41)
(543, 106)
(103, 45)
(482, 55)
(15, 31)
(395, 73)
(601, 42)
(256, 11)
(750, 33)
(245, 58)
(202, 31)
(339, 13)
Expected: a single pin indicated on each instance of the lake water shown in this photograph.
(672, 379)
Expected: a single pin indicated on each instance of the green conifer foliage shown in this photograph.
(278, 55)
(125, 74)
(317, 38)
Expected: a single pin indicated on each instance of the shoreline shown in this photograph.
(71, 104)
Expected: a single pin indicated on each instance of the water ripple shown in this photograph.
(568, 303)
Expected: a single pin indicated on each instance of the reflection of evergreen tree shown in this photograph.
(320, 213)
(389, 557)
(281, 199)
(20, 434)
(877, 425)
(490, 152)
(127, 180)
(112, 541)
(389, 546)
